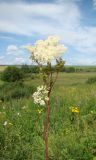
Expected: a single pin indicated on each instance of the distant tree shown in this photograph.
(69, 69)
(12, 74)
(25, 68)
(34, 69)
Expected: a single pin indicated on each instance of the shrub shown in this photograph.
(34, 69)
(20, 91)
(69, 69)
(25, 69)
(91, 80)
(12, 74)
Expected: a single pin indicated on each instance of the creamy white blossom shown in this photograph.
(5, 123)
(46, 50)
(18, 113)
(41, 95)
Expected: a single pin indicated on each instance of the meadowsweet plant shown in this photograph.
(41, 96)
(43, 53)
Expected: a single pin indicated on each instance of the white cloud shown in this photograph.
(19, 59)
(6, 37)
(2, 57)
(86, 40)
(22, 60)
(61, 18)
(84, 61)
(12, 49)
(24, 46)
(39, 18)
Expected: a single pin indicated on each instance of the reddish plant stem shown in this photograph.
(46, 128)
(48, 109)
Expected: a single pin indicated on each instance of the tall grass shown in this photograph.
(72, 135)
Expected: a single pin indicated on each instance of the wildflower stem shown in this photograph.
(49, 85)
(46, 127)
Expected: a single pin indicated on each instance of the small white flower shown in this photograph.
(5, 123)
(41, 95)
(18, 113)
(3, 107)
(47, 98)
(24, 107)
(42, 103)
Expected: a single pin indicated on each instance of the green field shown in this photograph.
(2, 68)
(72, 135)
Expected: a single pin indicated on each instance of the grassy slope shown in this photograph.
(65, 79)
(2, 68)
(72, 137)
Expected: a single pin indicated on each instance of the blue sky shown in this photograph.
(22, 22)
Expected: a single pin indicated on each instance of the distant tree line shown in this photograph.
(17, 73)
(35, 69)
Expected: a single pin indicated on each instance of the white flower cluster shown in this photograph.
(41, 95)
(46, 50)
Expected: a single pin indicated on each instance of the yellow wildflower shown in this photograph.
(75, 110)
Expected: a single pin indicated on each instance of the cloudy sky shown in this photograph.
(22, 22)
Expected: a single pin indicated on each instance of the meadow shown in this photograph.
(72, 133)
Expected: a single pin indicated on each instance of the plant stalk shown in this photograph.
(46, 128)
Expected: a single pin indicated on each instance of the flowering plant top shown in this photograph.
(44, 51)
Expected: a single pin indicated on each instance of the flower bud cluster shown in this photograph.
(41, 95)
(45, 51)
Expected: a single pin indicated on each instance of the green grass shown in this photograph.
(72, 136)
(2, 68)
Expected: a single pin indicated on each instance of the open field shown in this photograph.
(47, 79)
(72, 133)
(2, 68)
(82, 68)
